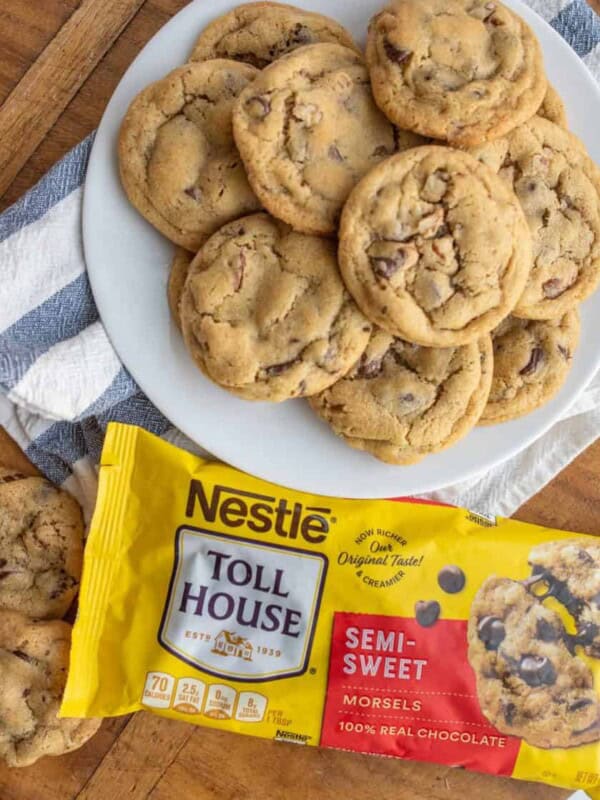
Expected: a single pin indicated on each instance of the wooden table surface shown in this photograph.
(60, 61)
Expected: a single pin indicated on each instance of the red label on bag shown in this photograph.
(400, 689)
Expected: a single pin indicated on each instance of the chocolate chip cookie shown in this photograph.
(34, 660)
(178, 162)
(402, 402)
(41, 547)
(259, 33)
(531, 361)
(177, 275)
(434, 248)
(308, 130)
(465, 71)
(553, 108)
(558, 186)
(265, 313)
(528, 682)
(569, 570)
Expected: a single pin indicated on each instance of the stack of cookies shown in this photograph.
(41, 553)
(402, 238)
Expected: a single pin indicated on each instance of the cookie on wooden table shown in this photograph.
(532, 359)
(34, 660)
(465, 71)
(41, 546)
(265, 313)
(260, 33)
(178, 161)
(308, 130)
(558, 186)
(434, 247)
(402, 402)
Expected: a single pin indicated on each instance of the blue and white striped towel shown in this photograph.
(63, 382)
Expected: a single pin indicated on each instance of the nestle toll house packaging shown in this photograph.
(392, 628)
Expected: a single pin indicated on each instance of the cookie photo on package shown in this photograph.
(396, 628)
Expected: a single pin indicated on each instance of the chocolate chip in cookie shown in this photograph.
(537, 671)
(491, 632)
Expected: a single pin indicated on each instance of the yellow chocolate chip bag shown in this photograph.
(395, 628)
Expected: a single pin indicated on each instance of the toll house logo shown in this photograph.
(253, 601)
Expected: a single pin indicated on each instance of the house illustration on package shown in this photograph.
(228, 643)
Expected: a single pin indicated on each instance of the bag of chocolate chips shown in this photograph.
(395, 628)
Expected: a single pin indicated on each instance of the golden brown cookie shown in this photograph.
(179, 165)
(434, 247)
(34, 660)
(528, 682)
(402, 402)
(558, 186)
(259, 33)
(465, 71)
(265, 313)
(177, 274)
(532, 359)
(553, 108)
(41, 547)
(308, 130)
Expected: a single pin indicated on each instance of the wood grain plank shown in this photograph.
(41, 96)
(137, 760)
(275, 771)
(61, 778)
(571, 502)
(24, 33)
(85, 111)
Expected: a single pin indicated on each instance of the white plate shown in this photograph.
(283, 443)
